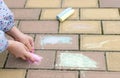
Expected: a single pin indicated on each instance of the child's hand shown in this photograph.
(19, 50)
(27, 41)
(19, 36)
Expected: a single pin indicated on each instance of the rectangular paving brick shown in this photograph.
(111, 27)
(43, 3)
(48, 14)
(113, 62)
(80, 60)
(80, 3)
(12, 73)
(61, 42)
(110, 3)
(3, 57)
(91, 27)
(39, 26)
(100, 42)
(47, 62)
(51, 74)
(26, 13)
(99, 74)
(15, 4)
(100, 14)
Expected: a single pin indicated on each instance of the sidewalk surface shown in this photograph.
(87, 45)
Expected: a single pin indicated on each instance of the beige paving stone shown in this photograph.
(12, 73)
(26, 13)
(80, 3)
(80, 60)
(3, 57)
(15, 4)
(111, 27)
(51, 74)
(113, 62)
(52, 13)
(100, 42)
(100, 14)
(99, 74)
(91, 27)
(61, 42)
(46, 63)
(43, 3)
(39, 26)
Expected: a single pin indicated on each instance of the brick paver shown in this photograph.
(111, 27)
(43, 3)
(80, 60)
(47, 62)
(12, 73)
(60, 42)
(109, 3)
(26, 13)
(100, 14)
(49, 14)
(39, 26)
(98, 74)
(100, 42)
(80, 3)
(15, 4)
(91, 27)
(113, 61)
(3, 57)
(85, 45)
(51, 74)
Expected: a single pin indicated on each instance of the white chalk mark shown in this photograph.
(74, 60)
(55, 40)
(99, 44)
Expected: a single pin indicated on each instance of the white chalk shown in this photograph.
(65, 14)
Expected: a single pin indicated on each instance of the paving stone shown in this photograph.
(80, 60)
(3, 57)
(110, 3)
(91, 27)
(52, 13)
(113, 61)
(47, 62)
(100, 14)
(111, 27)
(39, 26)
(51, 74)
(26, 13)
(43, 3)
(100, 42)
(99, 74)
(80, 3)
(15, 4)
(61, 42)
(12, 73)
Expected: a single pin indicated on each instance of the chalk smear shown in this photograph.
(77, 27)
(55, 40)
(75, 60)
(99, 44)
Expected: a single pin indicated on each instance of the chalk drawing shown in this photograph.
(99, 44)
(75, 60)
(55, 40)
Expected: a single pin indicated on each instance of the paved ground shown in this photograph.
(87, 45)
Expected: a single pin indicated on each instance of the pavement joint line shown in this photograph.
(25, 3)
(105, 55)
(102, 30)
(39, 17)
(55, 60)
